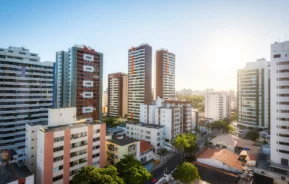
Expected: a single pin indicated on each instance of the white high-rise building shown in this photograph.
(139, 79)
(253, 94)
(280, 107)
(217, 105)
(26, 87)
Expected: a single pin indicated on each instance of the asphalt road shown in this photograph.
(201, 140)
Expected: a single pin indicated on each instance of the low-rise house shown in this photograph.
(146, 151)
(248, 157)
(12, 173)
(222, 159)
(119, 146)
(234, 143)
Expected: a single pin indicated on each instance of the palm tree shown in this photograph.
(186, 143)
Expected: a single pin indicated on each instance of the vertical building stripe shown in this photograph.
(48, 158)
(66, 157)
(89, 144)
(102, 145)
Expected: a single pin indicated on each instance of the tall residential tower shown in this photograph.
(79, 81)
(26, 86)
(117, 94)
(253, 94)
(139, 78)
(280, 107)
(165, 74)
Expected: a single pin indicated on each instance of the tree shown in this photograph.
(93, 175)
(132, 171)
(109, 121)
(252, 135)
(234, 116)
(186, 143)
(186, 173)
(221, 126)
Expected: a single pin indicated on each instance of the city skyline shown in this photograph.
(209, 44)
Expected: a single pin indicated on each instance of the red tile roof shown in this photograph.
(145, 146)
(223, 156)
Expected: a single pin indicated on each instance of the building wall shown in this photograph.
(279, 102)
(27, 180)
(26, 90)
(81, 146)
(253, 94)
(146, 156)
(117, 94)
(217, 106)
(61, 116)
(165, 74)
(149, 134)
(216, 163)
(139, 78)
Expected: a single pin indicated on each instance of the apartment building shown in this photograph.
(117, 94)
(81, 81)
(168, 115)
(64, 149)
(165, 74)
(56, 117)
(26, 86)
(119, 146)
(217, 105)
(186, 113)
(61, 78)
(139, 78)
(253, 94)
(280, 108)
(153, 134)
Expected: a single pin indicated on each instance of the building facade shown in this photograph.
(165, 74)
(217, 105)
(153, 134)
(61, 78)
(63, 150)
(280, 107)
(26, 90)
(81, 81)
(253, 94)
(117, 94)
(139, 78)
(119, 146)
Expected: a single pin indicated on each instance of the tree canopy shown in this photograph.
(186, 173)
(93, 175)
(197, 101)
(221, 126)
(252, 135)
(132, 171)
(186, 143)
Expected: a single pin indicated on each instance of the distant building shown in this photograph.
(139, 79)
(217, 105)
(195, 118)
(117, 94)
(119, 146)
(78, 81)
(105, 98)
(64, 149)
(148, 132)
(253, 94)
(165, 74)
(26, 87)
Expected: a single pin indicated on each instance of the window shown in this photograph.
(97, 131)
(284, 161)
(96, 139)
(58, 158)
(58, 168)
(58, 139)
(56, 178)
(277, 56)
(284, 151)
(95, 147)
(95, 155)
(60, 148)
(147, 137)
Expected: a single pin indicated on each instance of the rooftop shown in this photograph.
(12, 172)
(145, 146)
(114, 130)
(37, 123)
(146, 125)
(224, 156)
(123, 141)
(69, 126)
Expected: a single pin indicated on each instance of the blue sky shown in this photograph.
(211, 39)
